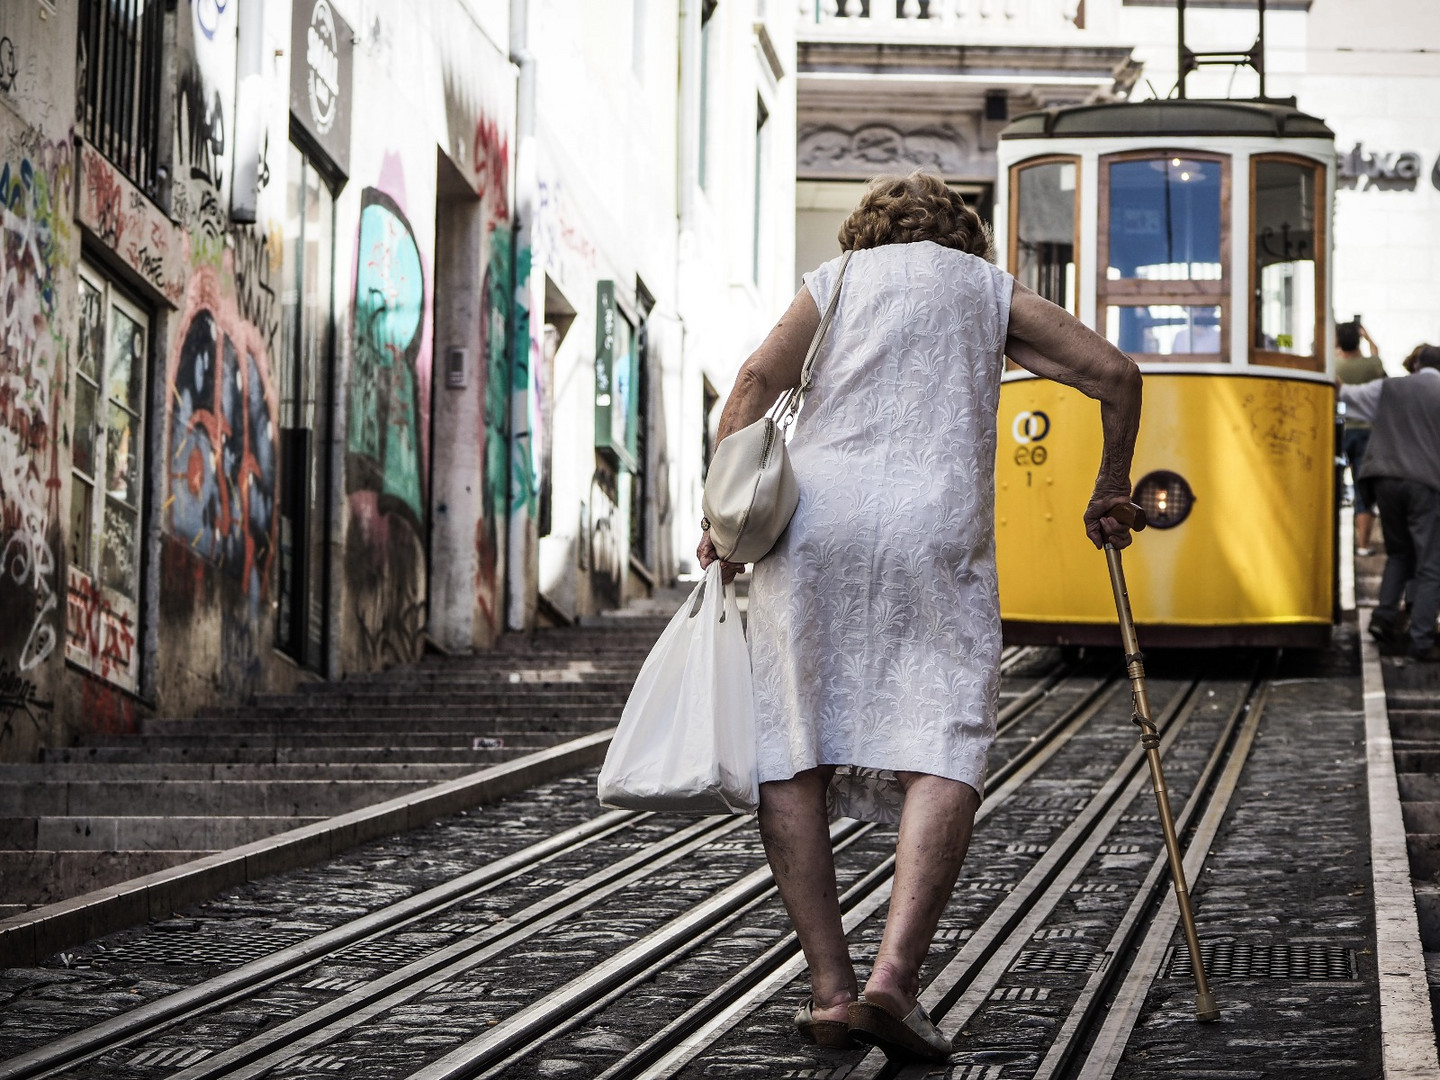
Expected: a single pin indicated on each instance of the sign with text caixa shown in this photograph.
(321, 51)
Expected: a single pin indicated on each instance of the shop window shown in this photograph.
(640, 479)
(1044, 215)
(1287, 246)
(103, 582)
(617, 404)
(1164, 253)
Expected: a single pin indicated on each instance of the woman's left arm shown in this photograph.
(773, 368)
(770, 370)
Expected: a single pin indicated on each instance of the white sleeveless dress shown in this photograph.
(875, 621)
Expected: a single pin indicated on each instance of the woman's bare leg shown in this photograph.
(934, 836)
(795, 828)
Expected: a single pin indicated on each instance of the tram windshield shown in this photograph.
(1162, 289)
(1165, 220)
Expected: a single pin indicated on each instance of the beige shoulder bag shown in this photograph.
(750, 491)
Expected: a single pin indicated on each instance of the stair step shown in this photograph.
(194, 798)
(101, 833)
(113, 771)
(33, 878)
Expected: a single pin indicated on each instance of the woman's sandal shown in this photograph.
(833, 1033)
(914, 1037)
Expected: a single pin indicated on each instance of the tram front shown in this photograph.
(1195, 236)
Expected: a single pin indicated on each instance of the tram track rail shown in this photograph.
(970, 979)
(153, 1018)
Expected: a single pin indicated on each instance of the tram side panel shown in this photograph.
(1252, 562)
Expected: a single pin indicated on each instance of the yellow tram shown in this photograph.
(1194, 235)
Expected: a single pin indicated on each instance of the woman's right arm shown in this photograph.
(1052, 343)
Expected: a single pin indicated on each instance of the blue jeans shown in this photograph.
(1410, 518)
(1354, 444)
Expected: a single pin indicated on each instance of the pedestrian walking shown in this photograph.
(874, 622)
(1354, 368)
(1403, 460)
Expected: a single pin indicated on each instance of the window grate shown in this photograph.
(120, 66)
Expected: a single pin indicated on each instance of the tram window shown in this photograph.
(1287, 270)
(1164, 329)
(1044, 195)
(1165, 220)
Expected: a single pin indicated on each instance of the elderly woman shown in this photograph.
(874, 622)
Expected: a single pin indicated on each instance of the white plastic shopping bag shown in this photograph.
(686, 741)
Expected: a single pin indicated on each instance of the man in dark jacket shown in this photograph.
(1403, 459)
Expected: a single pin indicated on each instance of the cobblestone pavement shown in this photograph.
(1288, 871)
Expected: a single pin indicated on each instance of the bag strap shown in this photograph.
(786, 408)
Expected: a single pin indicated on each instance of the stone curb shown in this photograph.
(1407, 1027)
(27, 939)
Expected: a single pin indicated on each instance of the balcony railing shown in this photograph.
(868, 15)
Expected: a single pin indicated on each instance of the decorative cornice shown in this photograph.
(829, 149)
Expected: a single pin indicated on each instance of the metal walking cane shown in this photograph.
(1133, 517)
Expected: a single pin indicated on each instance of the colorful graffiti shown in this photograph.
(495, 330)
(35, 194)
(204, 119)
(130, 224)
(384, 434)
(221, 450)
(569, 254)
(385, 463)
(256, 259)
(491, 156)
(98, 635)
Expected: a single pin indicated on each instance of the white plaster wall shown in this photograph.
(610, 130)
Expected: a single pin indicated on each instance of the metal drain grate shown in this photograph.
(396, 952)
(226, 945)
(1241, 960)
(1056, 961)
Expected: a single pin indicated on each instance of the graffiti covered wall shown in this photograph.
(220, 469)
(35, 248)
(386, 448)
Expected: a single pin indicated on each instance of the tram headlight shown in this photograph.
(1166, 497)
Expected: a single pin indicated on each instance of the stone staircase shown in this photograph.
(117, 807)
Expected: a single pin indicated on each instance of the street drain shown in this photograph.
(388, 951)
(1242, 960)
(1056, 961)
(227, 945)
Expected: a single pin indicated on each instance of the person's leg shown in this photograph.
(934, 836)
(1425, 590)
(1391, 496)
(1364, 490)
(1364, 526)
(795, 828)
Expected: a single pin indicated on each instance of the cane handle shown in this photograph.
(1131, 515)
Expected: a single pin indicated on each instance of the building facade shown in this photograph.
(336, 330)
(894, 85)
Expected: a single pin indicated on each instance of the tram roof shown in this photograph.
(1170, 117)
